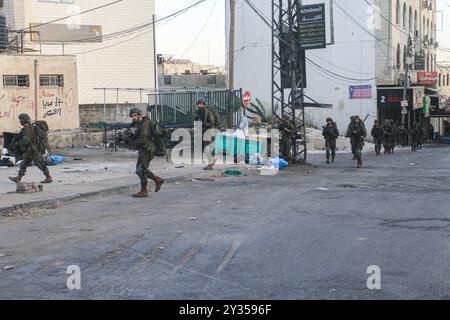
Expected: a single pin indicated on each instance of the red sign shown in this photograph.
(427, 77)
(246, 99)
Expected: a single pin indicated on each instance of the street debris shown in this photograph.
(413, 164)
(323, 189)
(6, 268)
(193, 218)
(233, 173)
(29, 187)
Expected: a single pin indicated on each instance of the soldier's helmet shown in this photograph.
(286, 117)
(329, 120)
(24, 117)
(201, 101)
(135, 111)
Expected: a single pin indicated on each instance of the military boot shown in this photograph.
(143, 193)
(158, 182)
(48, 179)
(16, 179)
(360, 164)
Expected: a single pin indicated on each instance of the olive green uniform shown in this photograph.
(330, 133)
(26, 142)
(286, 139)
(357, 134)
(143, 141)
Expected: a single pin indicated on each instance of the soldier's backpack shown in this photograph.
(216, 116)
(159, 137)
(41, 135)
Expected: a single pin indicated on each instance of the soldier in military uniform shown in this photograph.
(141, 139)
(330, 133)
(207, 118)
(27, 143)
(378, 135)
(421, 140)
(414, 134)
(403, 133)
(389, 137)
(287, 130)
(357, 133)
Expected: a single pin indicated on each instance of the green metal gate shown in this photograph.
(178, 108)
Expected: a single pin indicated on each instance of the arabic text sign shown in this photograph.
(312, 27)
(427, 77)
(360, 92)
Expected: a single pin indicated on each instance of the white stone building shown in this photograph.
(362, 58)
(105, 57)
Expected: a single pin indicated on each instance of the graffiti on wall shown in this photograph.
(55, 106)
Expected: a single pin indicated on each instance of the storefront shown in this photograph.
(389, 105)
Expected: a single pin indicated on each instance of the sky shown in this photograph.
(198, 35)
(193, 36)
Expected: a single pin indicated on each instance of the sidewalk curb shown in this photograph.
(8, 211)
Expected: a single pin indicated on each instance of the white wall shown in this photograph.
(127, 65)
(353, 56)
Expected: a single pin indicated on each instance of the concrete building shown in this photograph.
(185, 74)
(349, 72)
(109, 53)
(45, 87)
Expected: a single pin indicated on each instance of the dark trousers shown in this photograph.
(143, 165)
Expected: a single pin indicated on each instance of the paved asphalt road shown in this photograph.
(304, 234)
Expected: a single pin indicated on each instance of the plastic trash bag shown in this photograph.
(279, 163)
(57, 159)
(256, 159)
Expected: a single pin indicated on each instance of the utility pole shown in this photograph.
(408, 62)
(155, 61)
(232, 44)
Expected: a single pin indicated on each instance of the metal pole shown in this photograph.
(155, 56)
(104, 104)
(232, 43)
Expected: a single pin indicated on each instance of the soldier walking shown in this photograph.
(27, 143)
(330, 133)
(143, 141)
(209, 122)
(388, 137)
(378, 135)
(357, 133)
(414, 134)
(421, 140)
(287, 130)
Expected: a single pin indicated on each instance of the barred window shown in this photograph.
(51, 80)
(16, 81)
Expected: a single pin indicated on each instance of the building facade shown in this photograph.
(184, 74)
(45, 87)
(359, 60)
(110, 51)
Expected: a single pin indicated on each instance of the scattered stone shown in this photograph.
(323, 189)
(6, 268)
(29, 187)
(192, 218)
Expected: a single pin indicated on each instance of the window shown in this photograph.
(448, 78)
(416, 29)
(16, 81)
(404, 15)
(405, 52)
(397, 15)
(410, 19)
(212, 79)
(167, 80)
(398, 57)
(56, 80)
(440, 80)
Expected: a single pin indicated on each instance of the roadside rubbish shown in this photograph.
(279, 163)
(323, 189)
(233, 173)
(6, 162)
(29, 187)
(6, 268)
(192, 218)
(57, 159)
(256, 159)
